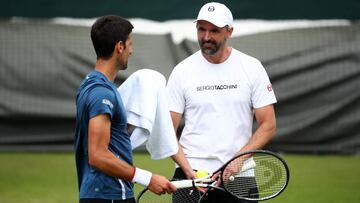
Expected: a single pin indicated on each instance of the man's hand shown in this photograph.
(161, 185)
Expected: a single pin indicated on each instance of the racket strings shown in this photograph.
(265, 179)
(186, 195)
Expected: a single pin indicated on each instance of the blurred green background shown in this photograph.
(51, 177)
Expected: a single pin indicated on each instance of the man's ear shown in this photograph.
(119, 47)
(229, 29)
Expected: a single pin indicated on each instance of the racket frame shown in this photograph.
(258, 152)
(207, 182)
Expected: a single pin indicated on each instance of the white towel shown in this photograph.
(144, 96)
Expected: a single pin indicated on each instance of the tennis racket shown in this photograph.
(254, 175)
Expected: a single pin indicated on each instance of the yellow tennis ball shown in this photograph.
(201, 173)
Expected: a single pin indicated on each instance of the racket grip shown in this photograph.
(182, 183)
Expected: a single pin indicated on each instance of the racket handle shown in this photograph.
(182, 183)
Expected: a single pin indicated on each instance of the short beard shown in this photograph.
(210, 51)
(121, 66)
(124, 66)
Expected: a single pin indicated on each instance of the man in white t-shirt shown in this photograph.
(218, 90)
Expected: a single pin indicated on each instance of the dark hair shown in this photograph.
(107, 31)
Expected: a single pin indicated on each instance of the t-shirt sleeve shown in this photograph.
(101, 101)
(175, 94)
(263, 93)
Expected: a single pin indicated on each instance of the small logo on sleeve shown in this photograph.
(107, 102)
(269, 88)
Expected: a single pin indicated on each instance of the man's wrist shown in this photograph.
(141, 176)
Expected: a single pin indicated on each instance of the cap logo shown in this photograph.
(211, 8)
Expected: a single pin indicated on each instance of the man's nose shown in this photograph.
(207, 36)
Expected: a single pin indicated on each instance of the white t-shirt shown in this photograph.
(217, 102)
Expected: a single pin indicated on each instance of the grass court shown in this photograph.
(51, 177)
